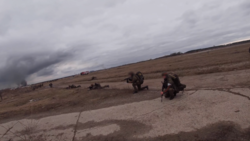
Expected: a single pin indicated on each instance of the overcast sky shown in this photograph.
(46, 39)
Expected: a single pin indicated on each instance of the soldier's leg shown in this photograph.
(166, 93)
(142, 88)
(171, 93)
(135, 89)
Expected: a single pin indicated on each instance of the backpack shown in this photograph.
(141, 77)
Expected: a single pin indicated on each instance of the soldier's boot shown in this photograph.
(175, 94)
(171, 94)
(145, 87)
(135, 89)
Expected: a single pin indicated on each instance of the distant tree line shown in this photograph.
(220, 46)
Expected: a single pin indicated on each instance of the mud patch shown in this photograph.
(222, 131)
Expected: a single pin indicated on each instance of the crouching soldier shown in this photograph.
(171, 85)
(51, 85)
(136, 80)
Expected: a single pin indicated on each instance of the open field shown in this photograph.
(215, 104)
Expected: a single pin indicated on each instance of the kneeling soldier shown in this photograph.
(136, 82)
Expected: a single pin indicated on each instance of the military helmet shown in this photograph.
(131, 73)
(164, 74)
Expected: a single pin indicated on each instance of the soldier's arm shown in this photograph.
(130, 80)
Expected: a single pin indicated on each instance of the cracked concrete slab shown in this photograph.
(243, 91)
(48, 126)
(189, 111)
(185, 113)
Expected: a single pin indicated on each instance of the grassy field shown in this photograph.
(27, 102)
(219, 60)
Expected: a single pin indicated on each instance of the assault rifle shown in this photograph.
(127, 79)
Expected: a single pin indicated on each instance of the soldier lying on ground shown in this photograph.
(171, 85)
(73, 86)
(37, 86)
(51, 85)
(93, 78)
(97, 86)
(136, 82)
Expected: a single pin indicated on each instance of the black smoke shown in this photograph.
(18, 68)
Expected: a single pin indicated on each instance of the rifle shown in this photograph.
(164, 91)
(128, 79)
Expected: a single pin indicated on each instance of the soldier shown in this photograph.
(171, 85)
(91, 86)
(97, 86)
(51, 85)
(136, 83)
(93, 78)
(73, 86)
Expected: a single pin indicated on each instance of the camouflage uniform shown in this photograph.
(97, 86)
(175, 87)
(135, 80)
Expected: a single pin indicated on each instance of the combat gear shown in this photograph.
(127, 79)
(136, 80)
(171, 85)
(141, 77)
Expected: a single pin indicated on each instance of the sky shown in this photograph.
(47, 39)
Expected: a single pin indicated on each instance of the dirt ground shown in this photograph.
(218, 81)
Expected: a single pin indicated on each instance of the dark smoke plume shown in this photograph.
(18, 68)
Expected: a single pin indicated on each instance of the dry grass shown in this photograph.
(219, 60)
(52, 100)
(17, 102)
